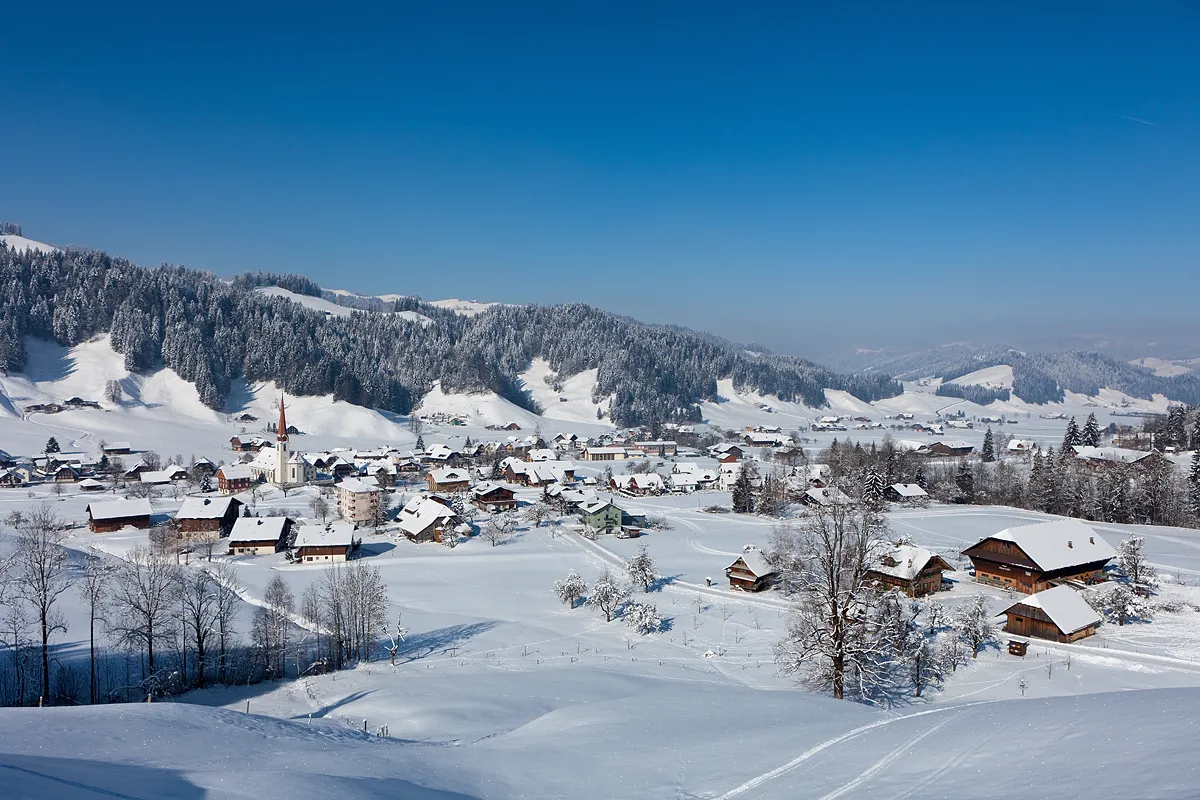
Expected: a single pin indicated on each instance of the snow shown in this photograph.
(482, 408)
(909, 561)
(116, 509)
(257, 529)
(20, 243)
(1058, 544)
(997, 377)
(1065, 607)
(468, 308)
(333, 309)
(1161, 367)
(574, 403)
(204, 507)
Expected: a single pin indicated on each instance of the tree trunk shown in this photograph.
(92, 657)
(45, 659)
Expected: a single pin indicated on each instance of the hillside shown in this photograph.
(259, 327)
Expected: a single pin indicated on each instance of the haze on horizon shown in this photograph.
(804, 178)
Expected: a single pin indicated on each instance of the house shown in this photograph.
(63, 473)
(1059, 614)
(1021, 447)
(116, 514)
(913, 570)
(751, 571)
(602, 516)
(542, 454)
(448, 480)
(1031, 558)
(658, 447)
(91, 485)
(691, 478)
(905, 493)
(258, 536)
(245, 417)
(116, 449)
(814, 476)
(756, 439)
(541, 473)
(1105, 457)
(950, 449)
(825, 497)
(441, 453)
(493, 497)
(204, 467)
(358, 501)
(160, 477)
(208, 514)
(234, 478)
(325, 543)
(727, 450)
(383, 473)
(648, 483)
(247, 444)
(604, 454)
(424, 519)
(15, 476)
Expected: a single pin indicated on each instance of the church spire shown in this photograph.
(281, 433)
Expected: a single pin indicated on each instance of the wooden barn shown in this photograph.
(950, 449)
(448, 480)
(325, 544)
(258, 536)
(116, 514)
(751, 571)
(1059, 614)
(1030, 558)
(208, 515)
(234, 478)
(493, 497)
(913, 570)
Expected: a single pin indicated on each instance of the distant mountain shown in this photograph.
(286, 328)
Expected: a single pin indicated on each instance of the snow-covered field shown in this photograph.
(501, 691)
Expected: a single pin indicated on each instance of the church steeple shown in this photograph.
(281, 432)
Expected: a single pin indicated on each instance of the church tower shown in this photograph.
(281, 448)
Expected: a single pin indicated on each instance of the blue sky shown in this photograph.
(777, 173)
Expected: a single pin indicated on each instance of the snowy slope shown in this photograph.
(333, 309)
(468, 308)
(15, 242)
(484, 408)
(998, 377)
(1162, 367)
(573, 403)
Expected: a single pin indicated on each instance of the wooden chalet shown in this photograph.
(208, 515)
(117, 449)
(493, 497)
(234, 478)
(950, 449)
(1031, 558)
(1059, 614)
(751, 571)
(116, 514)
(330, 543)
(905, 493)
(448, 480)
(915, 571)
(258, 536)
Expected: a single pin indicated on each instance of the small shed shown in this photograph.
(1059, 614)
(751, 571)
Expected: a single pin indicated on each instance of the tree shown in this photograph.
(831, 640)
(642, 618)
(52, 445)
(141, 602)
(1131, 558)
(499, 527)
(319, 507)
(395, 639)
(743, 489)
(987, 453)
(1091, 432)
(873, 489)
(43, 576)
(538, 513)
(1120, 604)
(113, 392)
(272, 625)
(965, 481)
(919, 658)
(420, 445)
(199, 601)
(225, 611)
(1072, 437)
(1193, 481)
(973, 623)
(641, 570)
(570, 588)
(607, 595)
(93, 589)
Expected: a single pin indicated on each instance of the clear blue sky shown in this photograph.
(799, 177)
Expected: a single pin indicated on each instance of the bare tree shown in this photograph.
(607, 595)
(973, 622)
(641, 570)
(395, 639)
(499, 527)
(43, 576)
(538, 513)
(198, 592)
(227, 588)
(830, 639)
(272, 624)
(142, 598)
(93, 588)
(319, 507)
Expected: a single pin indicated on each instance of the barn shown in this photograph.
(116, 514)
(208, 514)
(1030, 558)
(913, 570)
(1059, 614)
(257, 536)
(751, 571)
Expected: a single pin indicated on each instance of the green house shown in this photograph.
(601, 515)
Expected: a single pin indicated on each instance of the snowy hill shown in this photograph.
(19, 243)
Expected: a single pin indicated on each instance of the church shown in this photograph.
(280, 465)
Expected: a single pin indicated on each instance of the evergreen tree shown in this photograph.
(1091, 432)
(1193, 480)
(743, 489)
(420, 443)
(965, 481)
(988, 453)
(52, 446)
(873, 489)
(1038, 486)
(1072, 436)
(919, 478)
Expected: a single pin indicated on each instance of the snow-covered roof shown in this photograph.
(755, 562)
(1058, 544)
(1022, 444)
(829, 496)
(908, 490)
(357, 486)
(156, 476)
(1117, 455)
(335, 534)
(485, 489)
(650, 480)
(421, 512)
(118, 509)
(204, 507)
(236, 472)
(257, 529)
(606, 451)
(447, 475)
(86, 483)
(1065, 607)
(595, 506)
(904, 561)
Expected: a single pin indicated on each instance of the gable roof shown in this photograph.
(755, 562)
(235, 472)
(258, 529)
(204, 507)
(335, 534)
(908, 490)
(1065, 607)
(1115, 455)
(1058, 544)
(908, 561)
(595, 506)
(119, 509)
(448, 475)
(357, 486)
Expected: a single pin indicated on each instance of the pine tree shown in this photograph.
(743, 489)
(1091, 432)
(52, 446)
(1072, 436)
(873, 489)
(1193, 480)
(919, 478)
(988, 453)
(420, 443)
(1038, 485)
(965, 481)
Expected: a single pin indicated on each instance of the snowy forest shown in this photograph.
(213, 331)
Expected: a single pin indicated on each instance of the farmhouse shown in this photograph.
(116, 514)
(913, 570)
(1059, 614)
(751, 571)
(117, 449)
(658, 447)
(325, 543)
(1021, 447)
(208, 514)
(825, 497)
(234, 478)
(258, 536)
(424, 519)
(601, 515)
(251, 444)
(649, 483)
(358, 501)
(905, 493)
(1105, 457)
(541, 473)
(493, 497)
(950, 449)
(1031, 558)
(721, 451)
(448, 480)
(604, 454)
